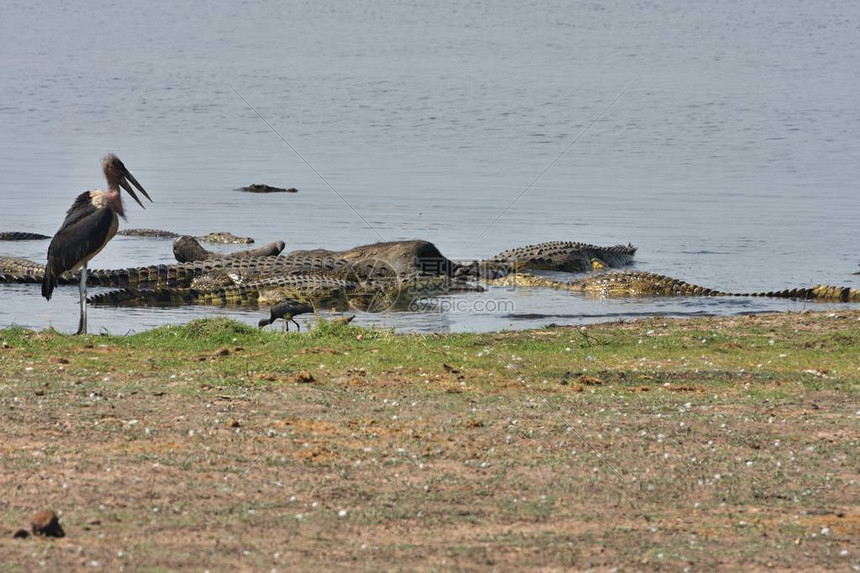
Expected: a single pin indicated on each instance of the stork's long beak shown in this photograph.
(123, 181)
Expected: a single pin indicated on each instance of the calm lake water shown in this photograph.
(733, 161)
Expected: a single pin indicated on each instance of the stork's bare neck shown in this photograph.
(111, 199)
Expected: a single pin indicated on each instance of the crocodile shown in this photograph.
(21, 270)
(226, 238)
(568, 256)
(400, 258)
(641, 284)
(261, 188)
(178, 275)
(236, 290)
(148, 233)
(21, 236)
(220, 237)
(315, 289)
(186, 249)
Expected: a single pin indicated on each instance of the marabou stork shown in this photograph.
(286, 309)
(90, 223)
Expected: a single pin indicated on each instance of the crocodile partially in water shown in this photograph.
(380, 271)
(186, 249)
(19, 270)
(219, 237)
(379, 275)
(398, 257)
(318, 290)
(21, 236)
(567, 256)
(178, 275)
(148, 233)
(645, 284)
(226, 238)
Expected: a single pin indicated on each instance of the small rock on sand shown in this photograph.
(47, 523)
(303, 377)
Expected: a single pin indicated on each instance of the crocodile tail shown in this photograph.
(112, 297)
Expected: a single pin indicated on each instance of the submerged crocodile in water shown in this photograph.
(21, 236)
(261, 188)
(643, 284)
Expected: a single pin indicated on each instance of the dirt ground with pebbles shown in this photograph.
(643, 445)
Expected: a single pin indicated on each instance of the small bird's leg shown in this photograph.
(299, 328)
(285, 327)
(82, 324)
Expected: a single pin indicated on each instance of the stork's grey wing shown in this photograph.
(84, 232)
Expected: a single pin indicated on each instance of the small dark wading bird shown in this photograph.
(90, 223)
(286, 309)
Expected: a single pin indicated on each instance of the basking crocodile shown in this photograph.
(260, 188)
(179, 275)
(373, 295)
(20, 270)
(148, 233)
(373, 275)
(315, 289)
(220, 237)
(401, 258)
(186, 249)
(21, 236)
(226, 238)
(566, 256)
(639, 283)
(398, 257)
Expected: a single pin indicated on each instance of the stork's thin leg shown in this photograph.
(82, 324)
(299, 328)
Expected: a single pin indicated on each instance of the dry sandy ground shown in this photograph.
(444, 467)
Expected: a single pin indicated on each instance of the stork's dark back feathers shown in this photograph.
(85, 231)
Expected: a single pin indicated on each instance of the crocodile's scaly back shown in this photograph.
(148, 233)
(19, 269)
(639, 283)
(21, 236)
(565, 256)
(226, 238)
(180, 275)
(824, 293)
(306, 288)
(223, 289)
